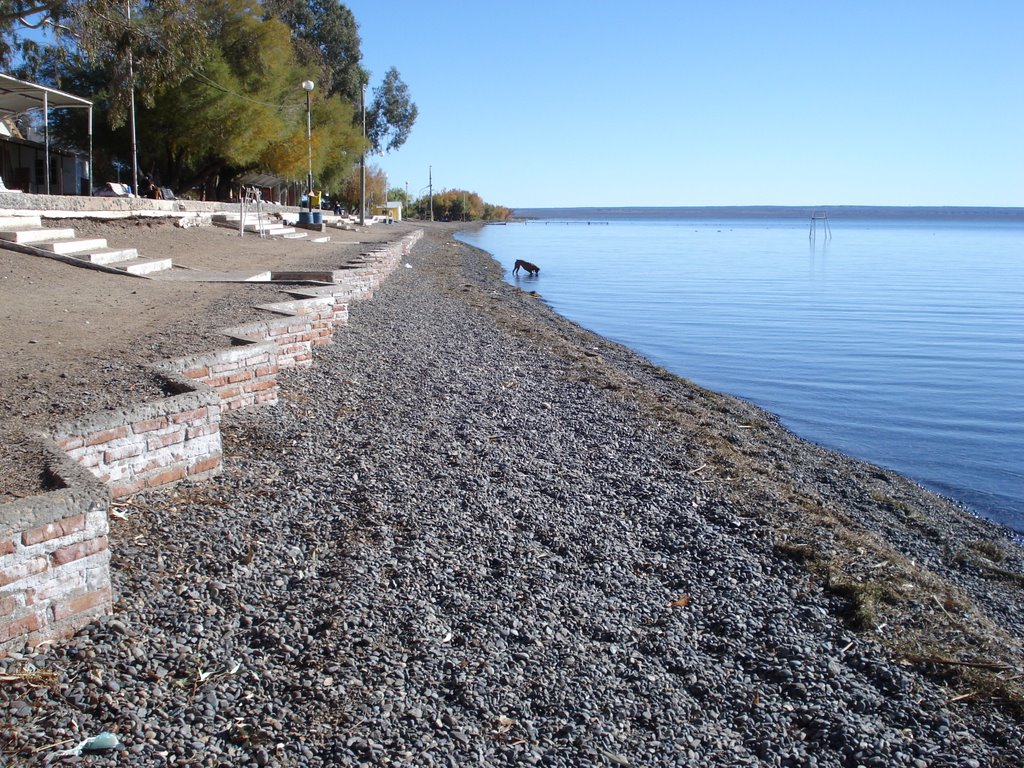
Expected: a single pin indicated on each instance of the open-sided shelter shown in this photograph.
(19, 96)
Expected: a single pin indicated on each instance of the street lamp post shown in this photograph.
(307, 86)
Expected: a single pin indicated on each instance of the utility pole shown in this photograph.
(131, 113)
(430, 178)
(362, 161)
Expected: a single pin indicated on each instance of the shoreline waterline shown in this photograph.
(896, 342)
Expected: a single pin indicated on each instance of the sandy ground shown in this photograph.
(76, 341)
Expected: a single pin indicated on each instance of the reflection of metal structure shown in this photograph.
(18, 97)
(815, 218)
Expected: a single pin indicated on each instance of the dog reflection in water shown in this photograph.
(531, 269)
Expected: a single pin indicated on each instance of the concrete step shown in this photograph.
(109, 256)
(71, 247)
(201, 276)
(21, 222)
(249, 222)
(269, 228)
(32, 236)
(143, 266)
(295, 235)
(250, 217)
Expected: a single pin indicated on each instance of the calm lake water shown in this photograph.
(897, 341)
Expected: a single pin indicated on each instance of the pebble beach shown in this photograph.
(475, 534)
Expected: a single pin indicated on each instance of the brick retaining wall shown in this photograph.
(241, 376)
(54, 557)
(150, 444)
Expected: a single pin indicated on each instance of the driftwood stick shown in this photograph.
(941, 606)
(963, 697)
(993, 665)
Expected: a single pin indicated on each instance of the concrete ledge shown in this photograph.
(72, 206)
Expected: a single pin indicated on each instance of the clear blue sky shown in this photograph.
(588, 102)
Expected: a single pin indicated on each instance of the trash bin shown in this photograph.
(318, 217)
(305, 217)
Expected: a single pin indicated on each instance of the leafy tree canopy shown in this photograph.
(327, 38)
(459, 205)
(245, 111)
(390, 117)
(349, 194)
(215, 83)
(152, 49)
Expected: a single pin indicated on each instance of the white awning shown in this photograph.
(17, 96)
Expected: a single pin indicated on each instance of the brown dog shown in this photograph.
(531, 269)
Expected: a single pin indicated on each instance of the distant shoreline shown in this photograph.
(802, 212)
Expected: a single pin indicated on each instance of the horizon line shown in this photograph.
(769, 205)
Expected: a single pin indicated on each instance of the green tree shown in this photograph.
(336, 146)
(143, 45)
(17, 17)
(458, 205)
(216, 85)
(327, 38)
(245, 111)
(391, 114)
(496, 213)
(238, 109)
(400, 195)
(350, 188)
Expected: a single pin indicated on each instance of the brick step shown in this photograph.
(71, 247)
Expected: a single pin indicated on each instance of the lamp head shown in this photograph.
(307, 85)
